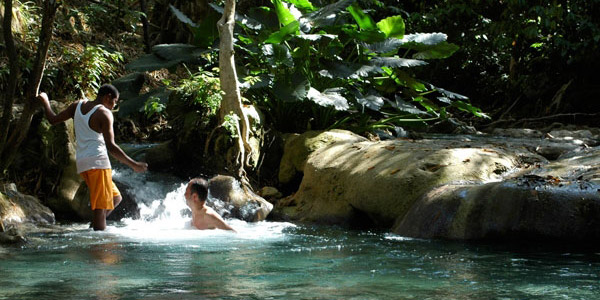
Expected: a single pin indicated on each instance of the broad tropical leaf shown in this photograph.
(464, 106)
(327, 14)
(242, 19)
(283, 13)
(373, 101)
(396, 62)
(181, 16)
(390, 45)
(437, 51)
(404, 106)
(348, 70)
(295, 90)
(285, 33)
(329, 97)
(302, 4)
(278, 54)
(364, 21)
(393, 27)
(315, 37)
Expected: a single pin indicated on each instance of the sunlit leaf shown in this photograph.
(387, 46)
(302, 4)
(328, 13)
(181, 16)
(363, 20)
(283, 34)
(283, 13)
(404, 106)
(396, 62)
(438, 51)
(393, 27)
(329, 97)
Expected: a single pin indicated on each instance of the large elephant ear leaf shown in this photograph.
(438, 51)
(364, 21)
(278, 54)
(392, 27)
(242, 19)
(328, 13)
(181, 16)
(302, 4)
(283, 13)
(291, 90)
(329, 97)
(396, 62)
(404, 106)
(284, 33)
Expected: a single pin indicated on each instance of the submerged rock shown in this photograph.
(229, 199)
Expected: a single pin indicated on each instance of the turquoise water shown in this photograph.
(271, 260)
(160, 257)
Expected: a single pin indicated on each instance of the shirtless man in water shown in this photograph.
(203, 217)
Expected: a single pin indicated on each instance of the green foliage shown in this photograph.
(154, 107)
(231, 124)
(91, 67)
(201, 90)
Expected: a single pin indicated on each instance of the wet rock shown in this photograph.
(229, 199)
(299, 146)
(379, 181)
(517, 132)
(16, 207)
(523, 208)
(270, 193)
(455, 187)
(161, 157)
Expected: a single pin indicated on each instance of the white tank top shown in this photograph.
(91, 149)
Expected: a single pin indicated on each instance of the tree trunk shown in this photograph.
(232, 100)
(13, 77)
(35, 79)
(145, 25)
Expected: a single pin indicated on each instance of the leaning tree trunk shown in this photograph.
(13, 76)
(31, 104)
(232, 100)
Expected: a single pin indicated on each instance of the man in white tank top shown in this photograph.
(93, 122)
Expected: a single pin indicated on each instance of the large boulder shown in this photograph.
(230, 199)
(379, 181)
(298, 147)
(459, 188)
(16, 207)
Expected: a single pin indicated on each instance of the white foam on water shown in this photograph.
(169, 219)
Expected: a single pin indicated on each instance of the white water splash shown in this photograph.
(164, 215)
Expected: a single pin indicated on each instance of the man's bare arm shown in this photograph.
(51, 116)
(219, 223)
(106, 127)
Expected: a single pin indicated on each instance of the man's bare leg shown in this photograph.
(116, 202)
(99, 220)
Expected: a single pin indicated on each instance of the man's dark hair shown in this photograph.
(200, 187)
(108, 89)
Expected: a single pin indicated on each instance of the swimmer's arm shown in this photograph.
(219, 223)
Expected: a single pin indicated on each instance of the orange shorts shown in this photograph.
(102, 188)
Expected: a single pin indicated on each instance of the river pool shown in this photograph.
(160, 257)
